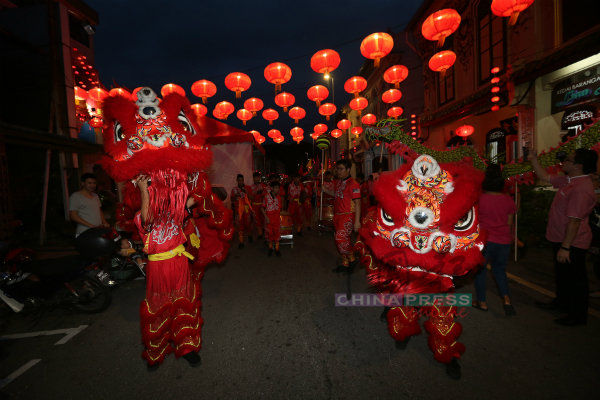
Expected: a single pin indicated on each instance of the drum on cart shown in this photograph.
(287, 229)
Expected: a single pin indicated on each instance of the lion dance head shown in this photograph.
(425, 229)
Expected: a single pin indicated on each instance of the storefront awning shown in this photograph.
(30, 137)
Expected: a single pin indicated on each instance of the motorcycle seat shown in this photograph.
(55, 266)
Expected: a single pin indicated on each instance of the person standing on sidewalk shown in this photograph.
(496, 214)
(346, 214)
(569, 231)
(84, 206)
(241, 203)
(258, 190)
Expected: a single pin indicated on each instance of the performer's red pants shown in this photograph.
(243, 222)
(295, 210)
(170, 316)
(307, 208)
(257, 217)
(273, 229)
(344, 225)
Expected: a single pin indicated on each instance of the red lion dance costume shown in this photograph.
(424, 232)
(165, 143)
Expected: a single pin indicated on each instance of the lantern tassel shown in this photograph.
(271, 122)
(376, 62)
(327, 117)
(513, 18)
(204, 100)
(238, 94)
(441, 41)
(356, 95)
(318, 103)
(244, 122)
(443, 72)
(296, 120)
(284, 109)
(254, 113)
(359, 113)
(397, 85)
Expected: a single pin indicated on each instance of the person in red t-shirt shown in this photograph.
(241, 203)
(271, 211)
(307, 205)
(496, 214)
(346, 217)
(258, 190)
(296, 197)
(569, 231)
(365, 202)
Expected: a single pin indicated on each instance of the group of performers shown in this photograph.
(260, 205)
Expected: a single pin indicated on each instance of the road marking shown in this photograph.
(549, 293)
(68, 332)
(15, 375)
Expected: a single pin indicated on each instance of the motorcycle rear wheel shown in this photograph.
(99, 295)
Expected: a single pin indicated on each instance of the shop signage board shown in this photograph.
(567, 94)
(574, 118)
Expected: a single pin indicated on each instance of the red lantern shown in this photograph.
(297, 113)
(278, 73)
(358, 104)
(512, 8)
(172, 88)
(495, 70)
(98, 94)
(204, 89)
(369, 119)
(96, 122)
(395, 112)
(357, 130)
(327, 109)
(273, 133)
(395, 75)
(253, 105)
(244, 115)
(80, 94)
(440, 25)
(225, 108)
(336, 133)
(495, 89)
(237, 82)
(320, 129)
(119, 92)
(315, 135)
(278, 139)
(376, 46)
(297, 132)
(217, 114)
(495, 79)
(285, 100)
(270, 115)
(355, 85)
(465, 130)
(344, 124)
(495, 107)
(261, 139)
(256, 134)
(199, 110)
(441, 61)
(325, 61)
(495, 99)
(391, 96)
(134, 94)
(318, 93)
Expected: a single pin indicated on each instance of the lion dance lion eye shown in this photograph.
(118, 132)
(185, 122)
(466, 222)
(386, 218)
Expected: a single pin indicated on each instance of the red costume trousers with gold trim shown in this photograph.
(170, 316)
(307, 211)
(295, 210)
(443, 330)
(273, 228)
(257, 217)
(344, 226)
(243, 223)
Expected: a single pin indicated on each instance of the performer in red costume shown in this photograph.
(258, 190)
(241, 203)
(364, 193)
(346, 218)
(329, 185)
(163, 144)
(271, 210)
(307, 205)
(296, 196)
(424, 231)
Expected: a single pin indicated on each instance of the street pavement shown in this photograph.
(271, 330)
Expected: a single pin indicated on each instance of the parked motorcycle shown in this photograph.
(75, 281)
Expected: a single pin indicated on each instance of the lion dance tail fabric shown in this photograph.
(163, 141)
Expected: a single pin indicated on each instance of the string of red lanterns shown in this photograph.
(244, 115)
(395, 75)
(441, 24)
(171, 88)
(253, 105)
(510, 8)
(204, 89)
(278, 73)
(317, 93)
(238, 82)
(355, 85)
(377, 46)
(327, 109)
(285, 100)
(325, 61)
(270, 115)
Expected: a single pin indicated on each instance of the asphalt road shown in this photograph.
(271, 330)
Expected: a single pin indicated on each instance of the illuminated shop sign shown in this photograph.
(567, 94)
(574, 119)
